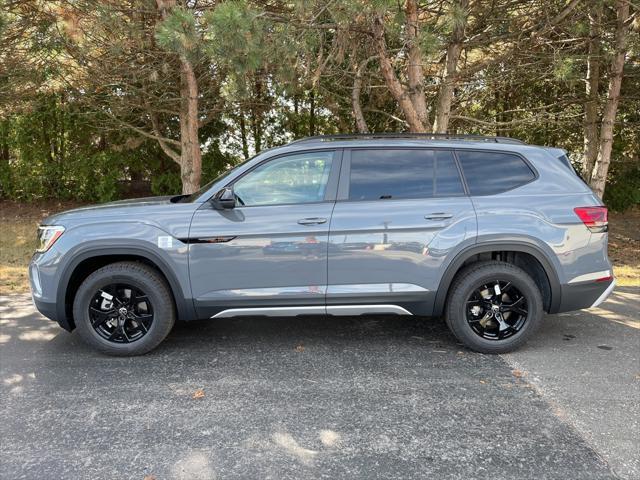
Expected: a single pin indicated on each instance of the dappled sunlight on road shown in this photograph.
(622, 307)
(15, 383)
(329, 438)
(14, 310)
(193, 466)
(293, 448)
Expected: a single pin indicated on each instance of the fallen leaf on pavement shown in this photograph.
(518, 373)
(199, 393)
(149, 477)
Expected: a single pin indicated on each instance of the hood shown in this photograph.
(117, 208)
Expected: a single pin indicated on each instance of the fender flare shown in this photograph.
(184, 306)
(524, 247)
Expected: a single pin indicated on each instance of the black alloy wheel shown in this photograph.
(124, 308)
(496, 310)
(493, 306)
(121, 313)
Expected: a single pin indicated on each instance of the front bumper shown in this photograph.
(48, 309)
(46, 305)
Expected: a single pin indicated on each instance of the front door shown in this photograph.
(268, 255)
(399, 213)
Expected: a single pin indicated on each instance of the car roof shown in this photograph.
(409, 136)
(404, 140)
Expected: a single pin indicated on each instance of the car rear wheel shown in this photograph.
(124, 309)
(493, 307)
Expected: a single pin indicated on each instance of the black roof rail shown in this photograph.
(421, 136)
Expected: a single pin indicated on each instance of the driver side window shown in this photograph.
(297, 178)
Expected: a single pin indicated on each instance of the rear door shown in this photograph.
(399, 213)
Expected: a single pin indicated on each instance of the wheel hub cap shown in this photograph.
(496, 310)
(125, 317)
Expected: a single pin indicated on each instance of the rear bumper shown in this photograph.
(605, 294)
(576, 296)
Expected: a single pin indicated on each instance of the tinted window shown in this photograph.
(565, 161)
(488, 173)
(299, 178)
(383, 174)
(448, 181)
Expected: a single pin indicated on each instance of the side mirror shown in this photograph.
(224, 199)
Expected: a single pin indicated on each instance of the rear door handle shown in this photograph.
(438, 216)
(312, 221)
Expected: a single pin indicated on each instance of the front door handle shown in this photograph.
(438, 216)
(312, 221)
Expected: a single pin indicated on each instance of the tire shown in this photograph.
(156, 299)
(463, 296)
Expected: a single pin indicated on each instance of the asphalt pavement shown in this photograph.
(314, 397)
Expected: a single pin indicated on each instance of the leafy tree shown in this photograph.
(166, 92)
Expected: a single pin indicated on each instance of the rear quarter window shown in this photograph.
(488, 173)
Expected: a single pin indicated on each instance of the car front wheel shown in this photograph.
(493, 307)
(124, 309)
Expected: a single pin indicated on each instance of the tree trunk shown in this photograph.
(257, 112)
(449, 78)
(256, 130)
(4, 141)
(190, 155)
(62, 148)
(590, 128)
(312, 113)
(599, 175)
(397, 90)
(361, 123)
(415, 74)
(243, 135)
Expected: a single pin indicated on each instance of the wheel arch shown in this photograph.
(468, 255)
(90, 260)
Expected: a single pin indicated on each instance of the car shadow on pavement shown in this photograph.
(314, 329)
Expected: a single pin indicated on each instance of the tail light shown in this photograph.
(594, 218)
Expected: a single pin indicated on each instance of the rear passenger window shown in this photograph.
(488, 173)
(387, 174)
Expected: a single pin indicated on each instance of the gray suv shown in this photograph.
(487, 231)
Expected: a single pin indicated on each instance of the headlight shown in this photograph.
(47, 236)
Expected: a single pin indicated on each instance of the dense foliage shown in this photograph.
(100, 100)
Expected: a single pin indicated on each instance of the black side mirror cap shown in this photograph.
(224, 199)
